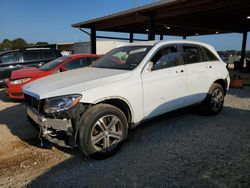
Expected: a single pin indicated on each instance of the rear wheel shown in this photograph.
(214, 100)
(102, 132)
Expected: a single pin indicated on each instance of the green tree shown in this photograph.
(18, 43)
(41, 43)
(5, 45)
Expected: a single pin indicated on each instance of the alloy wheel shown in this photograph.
(217, 99)
(106, 133)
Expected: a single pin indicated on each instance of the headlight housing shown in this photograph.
(20, 81)
(61, 103)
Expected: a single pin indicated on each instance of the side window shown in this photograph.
(204, 57)
(166, 57)
(48, 55)
(13, 57)
(91, 59)
(209, 54)
(77, 63)
(31, 56)
(191, 54)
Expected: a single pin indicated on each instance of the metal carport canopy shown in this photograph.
(175, 17)
(178, 17)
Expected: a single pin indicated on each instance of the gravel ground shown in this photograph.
(180, 149)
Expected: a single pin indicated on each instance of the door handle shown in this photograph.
(19, 66)
(209, 67)
(179, 72)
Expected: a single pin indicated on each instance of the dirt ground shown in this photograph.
(180, 149)
(21, 157)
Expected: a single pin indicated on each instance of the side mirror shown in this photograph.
(56, 71)
(149, 66)
(62, 69)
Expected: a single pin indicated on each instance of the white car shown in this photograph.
(94, 107)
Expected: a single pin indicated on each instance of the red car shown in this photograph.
(23, 76)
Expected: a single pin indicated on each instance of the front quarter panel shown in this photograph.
(128, 90)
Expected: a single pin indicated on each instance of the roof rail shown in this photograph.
(37, 48)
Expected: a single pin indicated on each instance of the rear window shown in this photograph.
(48, 55)
(52, 64)
(57, 53)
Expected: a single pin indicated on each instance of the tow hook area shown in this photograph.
(53, 130)
(55, 136)
(61, 128)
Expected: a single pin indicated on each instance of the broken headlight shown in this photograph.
(61, 103)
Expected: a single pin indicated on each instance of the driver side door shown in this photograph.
(164, 87)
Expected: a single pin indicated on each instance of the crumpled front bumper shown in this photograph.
(56, 131)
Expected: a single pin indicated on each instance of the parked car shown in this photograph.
(94, 107)
(29, 57)
(23, 76)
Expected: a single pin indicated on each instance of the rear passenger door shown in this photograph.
(210, 65)
(196, 84)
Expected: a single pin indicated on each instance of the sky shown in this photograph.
(50, 21)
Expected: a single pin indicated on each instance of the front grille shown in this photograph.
(5, 85)
(34, 103)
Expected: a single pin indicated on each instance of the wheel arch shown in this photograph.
(223, 83)
(121, 104)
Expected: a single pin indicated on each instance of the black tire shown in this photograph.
(211, 105)
(93, 120)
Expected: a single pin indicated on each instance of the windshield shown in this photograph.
(127, 57)
(52, 64)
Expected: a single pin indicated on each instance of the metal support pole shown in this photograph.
(161, 37)
(243, 49)
(151, 29)
(93, 40)
(131, 37)
(84, 31)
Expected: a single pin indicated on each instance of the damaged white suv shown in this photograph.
(92, 108)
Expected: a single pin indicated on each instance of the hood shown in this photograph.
(28, 72)
(73, 82)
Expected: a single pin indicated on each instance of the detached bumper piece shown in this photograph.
(57, 131)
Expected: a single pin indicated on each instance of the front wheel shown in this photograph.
(102, 132)
(214, 101)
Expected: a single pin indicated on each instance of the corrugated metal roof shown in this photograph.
(177, 17)
(129, 11)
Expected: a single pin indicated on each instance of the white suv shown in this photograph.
(94, 107)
